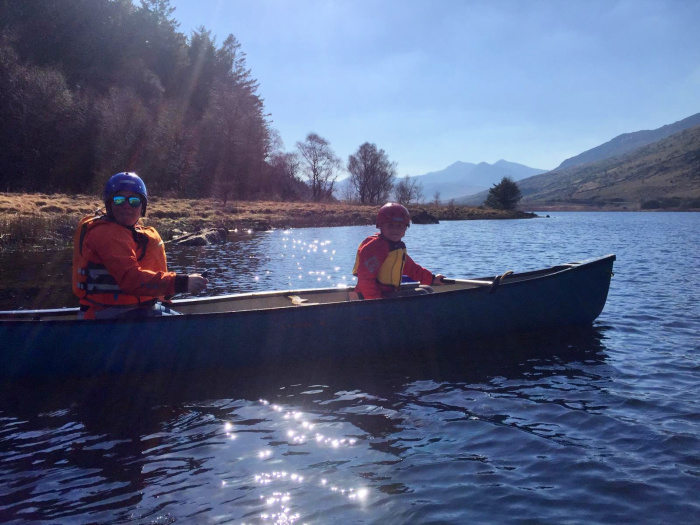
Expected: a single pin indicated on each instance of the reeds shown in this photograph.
(30, 230)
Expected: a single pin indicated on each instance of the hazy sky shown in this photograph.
(436, 81)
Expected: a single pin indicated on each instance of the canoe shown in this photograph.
(252, 329)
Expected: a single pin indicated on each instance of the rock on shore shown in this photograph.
(203, 237)
(423, 217)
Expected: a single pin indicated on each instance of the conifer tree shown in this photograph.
(504, 196)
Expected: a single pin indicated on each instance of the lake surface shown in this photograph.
(598, 426)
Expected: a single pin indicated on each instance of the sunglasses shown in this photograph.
(119, 200)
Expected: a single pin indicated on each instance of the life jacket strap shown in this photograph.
(93, 273)
(100, 288)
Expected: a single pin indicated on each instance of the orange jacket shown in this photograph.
(118, 266)
(379, 265)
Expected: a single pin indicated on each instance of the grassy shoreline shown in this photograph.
(39, 221)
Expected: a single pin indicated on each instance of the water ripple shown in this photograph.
(593, 427)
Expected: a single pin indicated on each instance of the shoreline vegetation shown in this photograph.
(43, 221)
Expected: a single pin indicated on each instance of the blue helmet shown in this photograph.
(125, 181)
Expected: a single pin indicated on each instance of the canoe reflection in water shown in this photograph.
(265, 437)
(284, 326)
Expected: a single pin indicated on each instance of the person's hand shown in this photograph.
(438, 279)
(196, 283)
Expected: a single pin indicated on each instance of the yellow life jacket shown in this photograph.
(391, 269)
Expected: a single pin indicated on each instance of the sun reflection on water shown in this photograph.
(280, 487)
(319, 254)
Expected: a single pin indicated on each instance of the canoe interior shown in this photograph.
(289, 298)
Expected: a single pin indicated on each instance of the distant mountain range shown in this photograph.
(648, 169)
(462, 178)
(644, 169)
(465, 178)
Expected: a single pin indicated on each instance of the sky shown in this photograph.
(433, 82)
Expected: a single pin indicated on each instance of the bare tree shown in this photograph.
(436, 198)
(371, 174)
(321, 167)
(275, 144)
(347, 192)
(408, 190)
(285, 177)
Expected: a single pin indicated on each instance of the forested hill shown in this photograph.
(91, 87)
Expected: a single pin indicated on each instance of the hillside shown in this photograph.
(92, 87)
(665, 174)
(628, 142)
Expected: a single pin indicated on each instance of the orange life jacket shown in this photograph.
(93, 284)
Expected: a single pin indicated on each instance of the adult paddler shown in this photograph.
(119, 265)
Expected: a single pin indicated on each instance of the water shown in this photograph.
(599, 426)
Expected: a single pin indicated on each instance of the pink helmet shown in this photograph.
(393, 212)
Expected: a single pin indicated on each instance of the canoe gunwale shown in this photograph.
(480, 285)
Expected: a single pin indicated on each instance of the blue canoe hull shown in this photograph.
(568, 295)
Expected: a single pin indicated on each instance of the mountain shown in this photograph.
(460, 179)
(665, 173)
(464, 178)
(628, 142)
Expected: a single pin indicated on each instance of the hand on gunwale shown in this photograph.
(196, 283)
(439, 279)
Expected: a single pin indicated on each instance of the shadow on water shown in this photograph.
(103, 401)
(33, 280)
